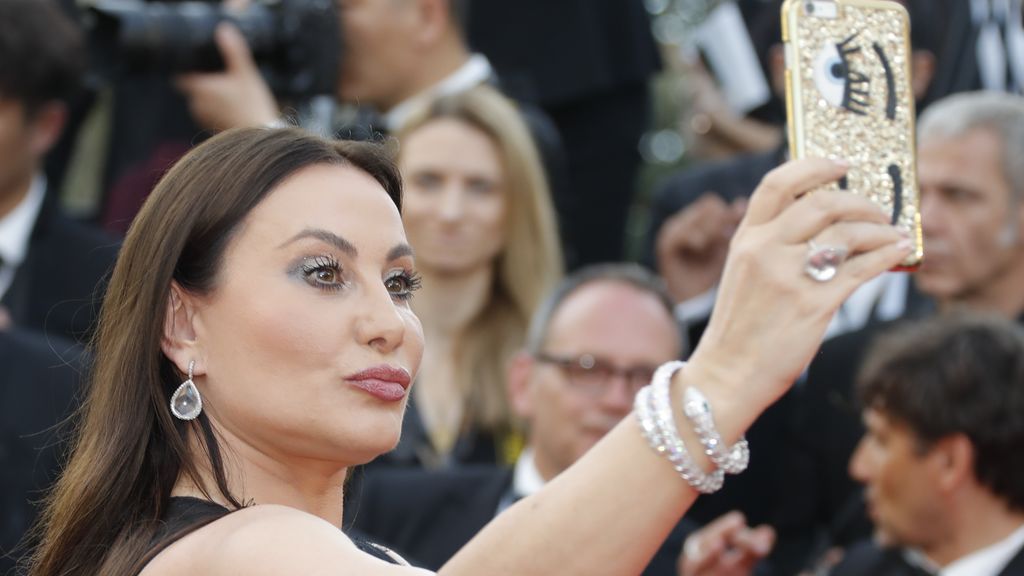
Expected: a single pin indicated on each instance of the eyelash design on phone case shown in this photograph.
(890, 82)
(856, 90)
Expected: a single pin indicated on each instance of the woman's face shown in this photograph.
(455, 201)
(308, 341)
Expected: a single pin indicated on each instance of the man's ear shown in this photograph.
(954, 457)
(179, 338)
(433, 19)
(46, 125)
(520, 392)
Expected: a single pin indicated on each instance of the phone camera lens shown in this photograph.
(809, 7)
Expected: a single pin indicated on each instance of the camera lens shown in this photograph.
(809, 7)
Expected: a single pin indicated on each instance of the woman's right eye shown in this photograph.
(323, 272)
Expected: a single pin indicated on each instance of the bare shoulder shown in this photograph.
(270, 540)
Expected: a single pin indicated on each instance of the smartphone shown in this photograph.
(849, 97)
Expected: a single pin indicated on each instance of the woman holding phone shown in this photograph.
(257, 341)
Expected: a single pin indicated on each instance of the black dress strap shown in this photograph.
(185, 515)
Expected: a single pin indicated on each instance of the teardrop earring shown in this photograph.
(186, 403)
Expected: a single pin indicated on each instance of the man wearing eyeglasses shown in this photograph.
(592, 345)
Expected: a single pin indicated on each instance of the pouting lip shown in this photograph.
(384, 373)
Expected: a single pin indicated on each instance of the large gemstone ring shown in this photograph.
(823, 260)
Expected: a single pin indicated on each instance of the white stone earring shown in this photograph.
(186, 403)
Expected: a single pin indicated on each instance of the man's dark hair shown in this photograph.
(40, 53)
(959, 374)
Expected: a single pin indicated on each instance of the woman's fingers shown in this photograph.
(783, 185)
(858, 237)
(861, 268)
(807, 217)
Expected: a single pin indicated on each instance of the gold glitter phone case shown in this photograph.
(848, 96)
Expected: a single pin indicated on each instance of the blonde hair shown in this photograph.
(528, 266)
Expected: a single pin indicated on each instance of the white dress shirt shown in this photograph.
(475, 71)
(526, 479)
(988, 561)
(884, 296)
(16, 230)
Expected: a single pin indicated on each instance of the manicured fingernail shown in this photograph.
(905, 244)
(840, 162)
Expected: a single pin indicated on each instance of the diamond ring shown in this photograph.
(823, 261)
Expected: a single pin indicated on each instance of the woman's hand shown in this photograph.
(770, 315)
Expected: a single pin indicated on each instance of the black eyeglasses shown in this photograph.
(592, 375)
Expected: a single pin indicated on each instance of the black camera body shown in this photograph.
(296, 43)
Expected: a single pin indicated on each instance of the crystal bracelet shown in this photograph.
(697, 408)
(657, 422)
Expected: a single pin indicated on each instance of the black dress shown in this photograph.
(186, 515)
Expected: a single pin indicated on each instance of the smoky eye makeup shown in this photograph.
(401, 283)
(320, 271)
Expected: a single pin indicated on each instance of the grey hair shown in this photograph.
(999, 112)
(626, 273)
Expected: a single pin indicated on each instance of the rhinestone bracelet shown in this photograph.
(654, 412)
(732, 460)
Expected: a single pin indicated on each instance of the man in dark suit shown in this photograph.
(972, 188)
(50, 267)
(593, 343)
(940, 460)
(38, 382)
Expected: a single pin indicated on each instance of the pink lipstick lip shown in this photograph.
(384, 382)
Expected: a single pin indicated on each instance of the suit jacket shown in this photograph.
(555, 52)
(868, 559)
(823, 432)
(428, 516)
(38, 382)
(59, 286)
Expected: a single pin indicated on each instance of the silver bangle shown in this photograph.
(697, 408)
(654, 412)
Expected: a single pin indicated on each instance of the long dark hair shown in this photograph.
(129, 451)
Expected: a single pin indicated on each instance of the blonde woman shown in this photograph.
(480, 217)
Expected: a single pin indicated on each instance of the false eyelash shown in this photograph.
(856, 88)
(413, 282)
(316, 264)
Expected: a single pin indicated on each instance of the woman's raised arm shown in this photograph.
(608, 513)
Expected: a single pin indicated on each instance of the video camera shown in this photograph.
(296, 43)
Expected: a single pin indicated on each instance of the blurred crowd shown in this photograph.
(517, 127)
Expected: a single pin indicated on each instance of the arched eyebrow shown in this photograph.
(326, 237)
(399, 251)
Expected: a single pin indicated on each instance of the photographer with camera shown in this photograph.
(394, 55)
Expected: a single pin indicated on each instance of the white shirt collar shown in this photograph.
(16, 227)
(988, 561)
(475, 71)
(526, 479)
(885, 295)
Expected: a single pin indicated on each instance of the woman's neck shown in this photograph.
(447, 303)
(255, 477)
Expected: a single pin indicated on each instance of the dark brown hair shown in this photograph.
(129, 451)
(961, 374)
(40, 53)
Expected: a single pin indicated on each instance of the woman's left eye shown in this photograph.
(402, 285)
